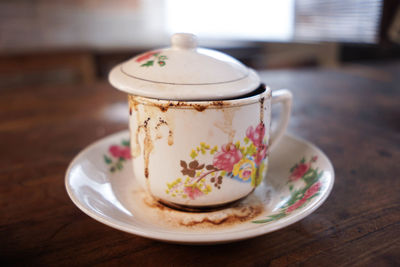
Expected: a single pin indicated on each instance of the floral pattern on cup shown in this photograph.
(243, 162)
(310, 178)
(150, 58)
(118, 155)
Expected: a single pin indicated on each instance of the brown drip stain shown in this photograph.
(219, 103)
(186, 104)
(170, 118)
(148, 147)
(170, 138)
(149, 121)
(160, 123)
(149, 124)
(199, 108)
(163, 108)
(132, 103)
(226, 124)
(135, 148)
(262, 100)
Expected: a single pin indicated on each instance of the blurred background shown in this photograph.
(68, 42)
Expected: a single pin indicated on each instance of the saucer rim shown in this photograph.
(200, 238)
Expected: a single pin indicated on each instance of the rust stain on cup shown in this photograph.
(150, 121)
(262, 99)
(226, 125)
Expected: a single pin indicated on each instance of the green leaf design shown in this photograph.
(107, 159)
(251, 149)
(259, 175)
(160, 59)
(294, 167)
(271, 218)
(125, 142)
(237, 145)
(148, 63)
(296, 195)
(312, 176)
(194, 154)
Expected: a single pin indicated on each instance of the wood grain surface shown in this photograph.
(352, 113)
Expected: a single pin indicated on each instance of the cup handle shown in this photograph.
(284, 97)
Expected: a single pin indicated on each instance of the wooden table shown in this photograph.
(352, 113)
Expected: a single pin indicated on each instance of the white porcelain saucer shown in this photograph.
(299, 179)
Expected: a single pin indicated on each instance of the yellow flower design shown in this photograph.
(245, 169)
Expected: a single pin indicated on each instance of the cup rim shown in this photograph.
(200, 105)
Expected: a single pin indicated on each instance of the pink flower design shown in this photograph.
(120, 152)
(246, 174)
(309, 193)
(312, 190)
(299, 171)
(228, 157)
(314, 159)
(192, 192)
(257, 135)
(261, 153)
(296, 205)
(146, 56)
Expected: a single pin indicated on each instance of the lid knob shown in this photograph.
(184, 41)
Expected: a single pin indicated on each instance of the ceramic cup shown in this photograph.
(202, 154)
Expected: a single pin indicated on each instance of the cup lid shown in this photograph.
(184, 72)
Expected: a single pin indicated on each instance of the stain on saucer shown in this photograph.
(239, 212)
